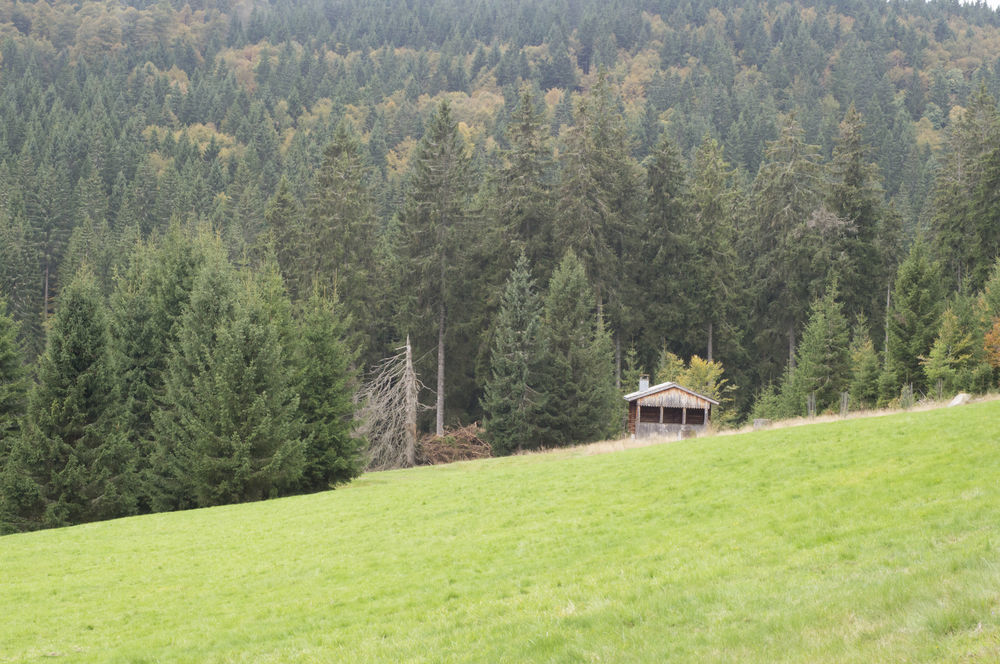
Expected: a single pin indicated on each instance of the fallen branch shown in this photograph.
(462, 444)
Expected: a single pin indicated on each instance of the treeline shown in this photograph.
(714, 168)
(196, 384)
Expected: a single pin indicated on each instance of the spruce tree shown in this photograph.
(436, 220)
(957, 360)
(864, 367)
(582, 402)
(600, 199)
(714, 276)
(511, 397)
(71, 464)
(856, 196)
(522, 197)
(823, 361)
(668, 247)
(13, 385)
(146, 306)
(947, 364)
(325, 380)
(230, 429)
(785, 195)
(913, 319)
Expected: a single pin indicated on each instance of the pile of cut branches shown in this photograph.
(461, 444)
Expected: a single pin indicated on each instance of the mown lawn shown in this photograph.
(862, 541)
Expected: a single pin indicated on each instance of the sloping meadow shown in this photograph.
(857, 541)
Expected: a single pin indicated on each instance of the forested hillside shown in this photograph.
(728, 191)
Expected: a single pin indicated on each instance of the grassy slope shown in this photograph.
(868, 540)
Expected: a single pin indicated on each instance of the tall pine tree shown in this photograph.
(511, 395)
(71, 464)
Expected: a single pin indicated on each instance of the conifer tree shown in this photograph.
(70, 463)
(522, 198)
(957, 360)
(149, 298)
(856, 196)
(667, 249)
(715, 273)
(436, 222)
(325, 379)
(823, 364)
(582, 402)
(13, 384)
(230, 429)
(335, 241)
(785, 196)
(948, 362)
(966, 209)
(600, 197)
(914, 316)
(631, 371)
(511, 396)
(864, 367)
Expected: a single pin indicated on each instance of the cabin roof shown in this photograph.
(663, 387)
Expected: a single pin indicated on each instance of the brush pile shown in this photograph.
(455, 445)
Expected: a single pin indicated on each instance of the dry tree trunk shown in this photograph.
(439, 405)
(389, 412)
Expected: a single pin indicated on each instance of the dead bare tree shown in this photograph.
(389, 412)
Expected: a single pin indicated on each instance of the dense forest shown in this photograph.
(217, 216)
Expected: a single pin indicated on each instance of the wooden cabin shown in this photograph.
(667, 409)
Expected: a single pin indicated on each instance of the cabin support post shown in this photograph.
(684, 416)
(661, 414)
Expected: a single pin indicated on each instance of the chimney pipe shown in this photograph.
(643, 382)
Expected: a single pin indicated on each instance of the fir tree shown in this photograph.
(864, 367)
(523, 188)
(582, 403)
(230, 430)
(823, 362)
(13, 384)
(70, 463)
(511, 399)
(914, 315)
(784, 198)
(600, 196)
(856, 197)
(325, 379)
(436, 219)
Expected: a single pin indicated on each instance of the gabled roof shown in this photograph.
(663, 387)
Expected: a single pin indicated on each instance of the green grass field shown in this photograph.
(860, 541)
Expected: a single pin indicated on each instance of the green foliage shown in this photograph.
(785, 244)
(325, 383)
(437, 220)
(146, 306)
(823, 361)
(966, 206)
(669, 368)
(914, 315)
(600, 196)
(957, 360)
(230, 429)
(582, 402)
(631, 371)
(511, 397)
(522, 200)
(865, 367)
(856, 197)
(71, 464)
(13, 384)
(704, 377)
